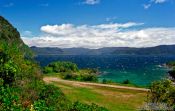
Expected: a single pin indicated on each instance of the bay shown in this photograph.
(139, 70)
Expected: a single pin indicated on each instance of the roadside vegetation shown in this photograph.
(161, 96)
(70, 71)
(114, 99)
(162, 93)
(21, 83)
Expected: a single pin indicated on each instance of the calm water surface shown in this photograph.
(140, 70)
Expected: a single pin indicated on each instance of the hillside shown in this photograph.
(21, 82)
(158, 50)
(9, 36)
(8, 33)
(47, 50)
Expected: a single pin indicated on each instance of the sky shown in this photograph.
(92, 23)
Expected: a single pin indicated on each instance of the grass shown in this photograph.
(110, 83)
(111, 98)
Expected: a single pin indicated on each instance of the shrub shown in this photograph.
(8, 69)
(9, 99)
(126, 81)
(88, 77)
(162, 92)
(48, 70)
(59, 67)
(172, 73)
(104, 81)
(77, 106)
(52, 97)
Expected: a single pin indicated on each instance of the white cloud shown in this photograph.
(159, 1)
(103, 35)
(91, 2)
(147, 6)
(151, 2)
(70, 29)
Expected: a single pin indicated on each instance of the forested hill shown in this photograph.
(158, 50)
(8, 33)
(9, 36)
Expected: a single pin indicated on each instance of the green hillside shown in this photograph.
(21, 83)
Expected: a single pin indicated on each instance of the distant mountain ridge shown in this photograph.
(158, 50)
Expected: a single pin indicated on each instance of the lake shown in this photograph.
(139, 70)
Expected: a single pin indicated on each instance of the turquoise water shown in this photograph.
(139, 70)
(141, 77)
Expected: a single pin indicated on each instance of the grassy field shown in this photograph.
(112, 98)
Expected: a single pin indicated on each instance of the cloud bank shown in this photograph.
(103, 35)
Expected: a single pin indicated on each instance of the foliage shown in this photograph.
(87, 77)
(48, 70)
(21, 84)
(9, 99)
(126, 81)
(105, 81)
(58, 67)
(8, 69)
(11, 37)
(77, 106)
(171, 64)
(162, 92)
(69, 70)
(172, 71)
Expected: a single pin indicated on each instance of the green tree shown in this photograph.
(58, 67)
(162, 92)
(8, 69)
(126, 81)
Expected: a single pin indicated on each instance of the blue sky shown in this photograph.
(32, 18)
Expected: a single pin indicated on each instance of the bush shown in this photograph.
(172, 74)
(8, 69)
(89, 77)
(52, 97)
(171, 64)
(9, 99)
(48, 70)
(104, 81)
(69, 76)
(162, 92)
(59, 67)
(77, 106)
(126, 81)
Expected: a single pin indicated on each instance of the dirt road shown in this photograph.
(55, 79)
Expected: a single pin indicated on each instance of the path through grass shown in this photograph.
(111, 98)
